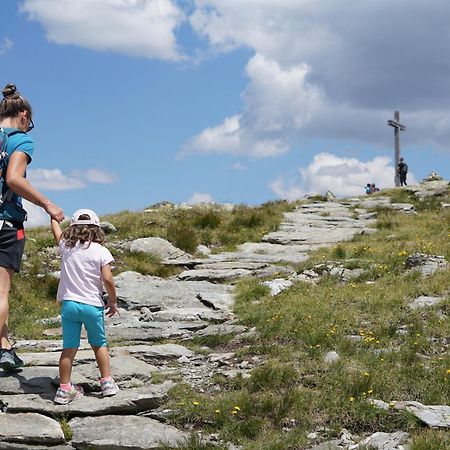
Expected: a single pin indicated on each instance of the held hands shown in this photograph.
(111, 309)
(54, 211)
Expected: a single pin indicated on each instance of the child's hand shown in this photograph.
(111, 309)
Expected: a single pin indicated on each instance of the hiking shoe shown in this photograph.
(9, 360)
(63, 397)
(109, 388)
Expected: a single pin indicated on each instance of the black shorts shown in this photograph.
(12, 244)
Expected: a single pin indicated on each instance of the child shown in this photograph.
(85, 268)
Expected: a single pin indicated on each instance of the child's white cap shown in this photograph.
(93, 218)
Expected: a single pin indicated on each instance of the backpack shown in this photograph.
(403, 167)
(12, 210)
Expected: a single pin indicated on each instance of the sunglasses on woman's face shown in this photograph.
(30, 125)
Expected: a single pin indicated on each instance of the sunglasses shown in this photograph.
(30, 126)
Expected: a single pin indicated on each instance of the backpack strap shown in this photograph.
(4, 157)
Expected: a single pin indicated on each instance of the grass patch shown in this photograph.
(398, 354)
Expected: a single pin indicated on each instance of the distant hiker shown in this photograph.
(16, 151)
(373, 188)
(402, 170)
(368, 188)
(85, 269)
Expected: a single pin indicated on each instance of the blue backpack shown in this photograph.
(8, 206)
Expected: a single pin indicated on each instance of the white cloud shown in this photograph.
(239, 167)
(342, 176)
(200, 197)
(143, 28)
(96, 176)
(6, 45)
(37, 216)
(276, 101)
(329, 70)
(55, 180)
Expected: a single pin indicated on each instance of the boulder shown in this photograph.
(435, 416)
(385, 441)
(424, 301)
(159, 247)
(426, 264)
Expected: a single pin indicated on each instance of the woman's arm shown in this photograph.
(15, 179)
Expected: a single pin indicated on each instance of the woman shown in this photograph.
(16, 121)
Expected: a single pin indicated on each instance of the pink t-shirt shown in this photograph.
(80, 278)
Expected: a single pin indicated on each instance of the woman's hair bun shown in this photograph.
(9, 90)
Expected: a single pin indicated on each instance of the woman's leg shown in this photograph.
(6, 276)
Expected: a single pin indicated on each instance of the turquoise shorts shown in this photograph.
(75, 314)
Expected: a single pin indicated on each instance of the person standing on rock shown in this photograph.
(85, 269)
(17, 150)
(402, 170)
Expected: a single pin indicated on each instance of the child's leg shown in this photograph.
(71, 328)
(94, 322)
(102, 358)
(66, 364)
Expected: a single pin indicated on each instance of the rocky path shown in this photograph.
(197, 302)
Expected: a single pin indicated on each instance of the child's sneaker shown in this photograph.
(63, 397)
(109, 388)
(9, 360)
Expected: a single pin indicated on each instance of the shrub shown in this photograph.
(182, 236)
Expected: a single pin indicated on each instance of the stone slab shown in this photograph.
(124, 432)
(30, 428)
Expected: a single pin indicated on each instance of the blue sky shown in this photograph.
(240, 101)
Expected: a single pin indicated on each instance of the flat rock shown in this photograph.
(23, 446)
(386, 441)
(124, 432)
(160, 352)
(29, 428)
(266, 252)
(48, 345)
(136, 290)
(435, 416)
(221, 330)
(127, 371)
(213, 275)
(150, 331)
(129, 401)
(30, 380)
(431, 188)
(277, 285)
(424, 301)
(52, 358)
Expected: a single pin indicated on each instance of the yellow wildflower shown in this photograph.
(195, 403)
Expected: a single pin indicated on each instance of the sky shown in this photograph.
(230, 101)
